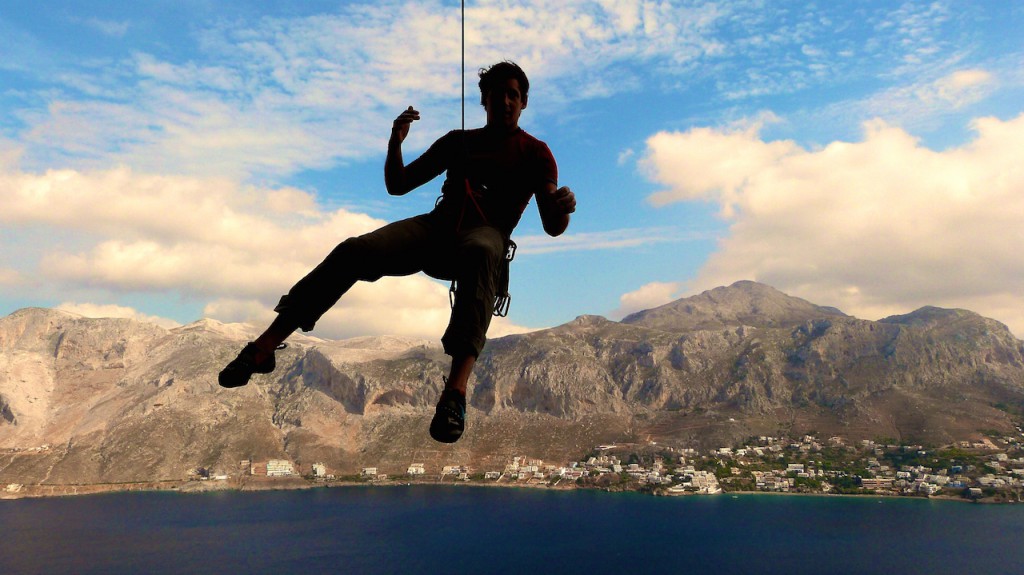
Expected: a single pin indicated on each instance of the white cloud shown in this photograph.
(114, 311)
(611, 239)
(122, 231)
(236, 247)
(681, 161)
(236, 310)
(917, 30)
(880, 226)
(922, 102)
(279, 95)
(963, 86)
(414, 306)
(648, 296)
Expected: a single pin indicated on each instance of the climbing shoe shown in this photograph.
(238, 372)
(449, 418)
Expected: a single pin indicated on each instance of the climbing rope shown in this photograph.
(463, 76)
(502, 299)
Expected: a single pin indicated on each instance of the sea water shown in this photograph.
(434, 529)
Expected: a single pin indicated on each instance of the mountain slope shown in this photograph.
(100, 400)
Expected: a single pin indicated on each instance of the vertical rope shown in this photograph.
(463, 65)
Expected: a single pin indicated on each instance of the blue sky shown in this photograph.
(178, 160)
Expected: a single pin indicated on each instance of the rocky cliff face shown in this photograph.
(93, 400)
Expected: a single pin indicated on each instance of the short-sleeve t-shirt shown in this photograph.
(503, 171)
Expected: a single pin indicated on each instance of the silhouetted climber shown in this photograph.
(492, 172)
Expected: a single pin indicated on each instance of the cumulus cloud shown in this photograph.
(875, 227)
(133, 203)
(115, 311)
(680, 161)
(234, 246)
(413, 307)
(648, 296)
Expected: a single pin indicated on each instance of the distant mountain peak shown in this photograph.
(41, 312)
(744, 302)
(943, 319)
(588, 321)
(928, 315)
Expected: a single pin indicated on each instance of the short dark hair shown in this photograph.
(498, 73)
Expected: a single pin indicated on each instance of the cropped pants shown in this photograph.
(428, 243)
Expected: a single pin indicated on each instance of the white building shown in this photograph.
(319, 470)
(280, 468)
(416, 469)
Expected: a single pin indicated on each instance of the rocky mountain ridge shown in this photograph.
(107, 400)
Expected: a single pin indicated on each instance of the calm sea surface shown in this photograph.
(431, 529)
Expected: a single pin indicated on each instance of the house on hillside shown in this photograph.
(280, 468)
(319, 470)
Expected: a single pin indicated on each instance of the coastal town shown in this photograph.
(991, 469)
(988, 470)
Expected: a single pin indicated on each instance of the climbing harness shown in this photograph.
(502, 299)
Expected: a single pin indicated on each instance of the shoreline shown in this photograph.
(294, 484)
